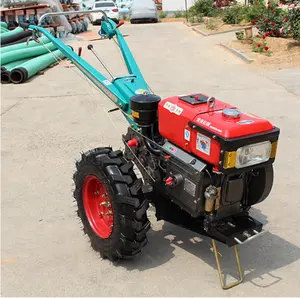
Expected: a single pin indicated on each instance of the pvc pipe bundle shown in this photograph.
(20, 62)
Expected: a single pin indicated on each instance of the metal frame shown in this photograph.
(119, 89)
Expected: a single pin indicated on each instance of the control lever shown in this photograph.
(91, 48)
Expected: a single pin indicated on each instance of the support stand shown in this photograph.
(225, 287)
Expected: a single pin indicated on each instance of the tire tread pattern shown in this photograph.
(130, 218)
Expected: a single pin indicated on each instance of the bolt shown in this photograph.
(104, 195)
(247, 234)
(120, 105)
(101, 214)
(222, 151)
(213, 136)
(220, 162)
(109, 213)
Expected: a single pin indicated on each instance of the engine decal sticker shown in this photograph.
(202, 121)
(208, 124)
(173, 108)
(203, 143)
(190, 187)
(187, 135)
(249, 121)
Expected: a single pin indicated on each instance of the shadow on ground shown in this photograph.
(293, 44)
(259, 257)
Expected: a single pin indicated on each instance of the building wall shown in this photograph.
(175, 5)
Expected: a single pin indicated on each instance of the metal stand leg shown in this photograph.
(225, 287)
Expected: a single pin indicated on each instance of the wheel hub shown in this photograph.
(97, 206)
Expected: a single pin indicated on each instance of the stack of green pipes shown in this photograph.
(21, 61)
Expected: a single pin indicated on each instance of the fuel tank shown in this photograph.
(198, 124)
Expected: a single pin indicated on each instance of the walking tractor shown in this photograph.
(204, 163)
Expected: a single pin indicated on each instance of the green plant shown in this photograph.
(199, 18)
(293, 17)
(259, 45)
(240, 35)
(234, 14)
(192, 19)
(204, 7)
(255, 10)
(178, 14)
(211, 25)
(274, 21)
(217, 12)
(162, 14)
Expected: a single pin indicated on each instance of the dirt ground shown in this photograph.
(171, 20)
(285, 52)
(220, 26)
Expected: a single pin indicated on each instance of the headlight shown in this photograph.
(253, 154)
(250, 155)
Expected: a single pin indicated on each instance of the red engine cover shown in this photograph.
(175, 114)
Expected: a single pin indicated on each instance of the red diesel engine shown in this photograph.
(214, 130)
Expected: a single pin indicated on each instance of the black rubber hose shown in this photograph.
(153, 150)
(19, 75)
(146, 131)
(5, 79)
(15, 42)
(15, 37)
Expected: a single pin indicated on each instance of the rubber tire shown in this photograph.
(128, 203)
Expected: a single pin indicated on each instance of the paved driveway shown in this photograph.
(48, 121)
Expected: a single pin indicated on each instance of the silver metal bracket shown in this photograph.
(249, 236)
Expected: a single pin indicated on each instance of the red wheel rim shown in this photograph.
(97, 206)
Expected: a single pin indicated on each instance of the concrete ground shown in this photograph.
(48, 121)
